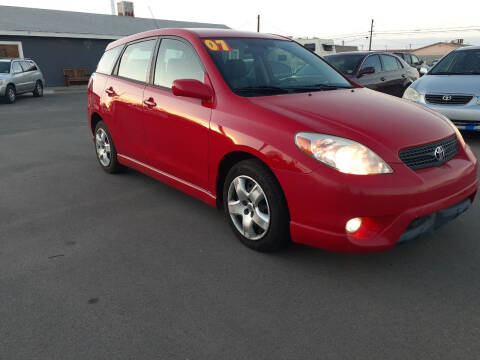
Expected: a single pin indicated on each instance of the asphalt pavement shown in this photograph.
(98, 266)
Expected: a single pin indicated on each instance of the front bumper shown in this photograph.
(320, 203)
(3, 88)
(465, 117)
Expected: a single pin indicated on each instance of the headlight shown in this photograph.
(411, 94)
(347, 156)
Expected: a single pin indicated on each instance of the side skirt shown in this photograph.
(169, 179)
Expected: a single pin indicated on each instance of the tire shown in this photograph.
(10, 94)
(38, 92)
(255, 207)
(105, 149)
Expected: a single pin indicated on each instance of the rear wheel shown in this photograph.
(10, 95)
(38, 91)
(105, 149)
(255, 206)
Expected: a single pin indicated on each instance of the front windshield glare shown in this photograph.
(463, 62)
(259, 67)
(4, 67)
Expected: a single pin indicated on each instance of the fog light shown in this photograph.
(353, 225)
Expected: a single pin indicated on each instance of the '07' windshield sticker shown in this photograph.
(217, 45)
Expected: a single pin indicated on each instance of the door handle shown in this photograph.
(150, 102)
(403, 76)
(382, 78)
(110, 91)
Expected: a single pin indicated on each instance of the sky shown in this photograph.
(397, 24)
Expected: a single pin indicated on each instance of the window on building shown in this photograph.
(389, 63)
(310, 46)
(108, 60)
(9, 50)
(135, 60)
(176, 60)
(327, 47)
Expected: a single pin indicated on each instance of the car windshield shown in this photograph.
(463, 62)
(259, 67)
(4, 67)
(346, 63)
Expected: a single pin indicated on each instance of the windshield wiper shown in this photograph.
(319, 87)
(262, 89)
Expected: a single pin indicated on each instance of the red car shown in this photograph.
(289, 147)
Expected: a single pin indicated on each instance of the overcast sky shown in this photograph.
(342, 20)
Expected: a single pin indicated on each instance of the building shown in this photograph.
(64, 39)
(433, 51)
(318, 46)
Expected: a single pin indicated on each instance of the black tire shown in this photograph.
(113, 165)
(10, 94)
(38, 92)
(277, 235)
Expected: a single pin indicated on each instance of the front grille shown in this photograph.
(423, 156)
(466, 122)
(448, 99)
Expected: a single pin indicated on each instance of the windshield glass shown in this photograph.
(4, 67)
(348, 64)
(464, 62)
(259, 67)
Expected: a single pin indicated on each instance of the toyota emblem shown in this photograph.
(439, 153)
(446, 98)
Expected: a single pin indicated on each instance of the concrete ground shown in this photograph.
(98, 266)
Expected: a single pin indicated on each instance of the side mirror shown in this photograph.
(423, 70)
(366, 70)
(192, 88)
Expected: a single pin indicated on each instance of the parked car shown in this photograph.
(19, 76)
(378, 71)
(452, 88)
(290, 148)
(414, 61)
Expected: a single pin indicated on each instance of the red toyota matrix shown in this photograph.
(286, 145)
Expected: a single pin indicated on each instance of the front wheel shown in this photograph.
(255, 206)
(10, 95)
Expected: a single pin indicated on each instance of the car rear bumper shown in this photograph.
(389, 205)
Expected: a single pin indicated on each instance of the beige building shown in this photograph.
(438, 49)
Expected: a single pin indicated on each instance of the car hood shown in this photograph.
(382, 122)
(449, 84)
(4, 76)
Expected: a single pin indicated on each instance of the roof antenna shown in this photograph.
(153, 17)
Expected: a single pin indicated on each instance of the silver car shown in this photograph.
(18, 76)
(452, 88)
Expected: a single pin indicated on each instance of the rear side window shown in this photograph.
(135, 60)
(373, 61)
(389, 63)
(28, 66)
(105, 66)
(176, 60)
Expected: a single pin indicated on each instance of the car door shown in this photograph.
(177, 128)
(124, 98)
(19, 77)
(393, 75)
(371, 81)
(29, 75)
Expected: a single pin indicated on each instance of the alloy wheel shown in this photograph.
(102, 145)
(248, 207)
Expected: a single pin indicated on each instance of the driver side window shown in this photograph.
(373, 61)
(16, 68)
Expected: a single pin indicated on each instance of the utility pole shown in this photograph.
(371, 33)
(258, 23)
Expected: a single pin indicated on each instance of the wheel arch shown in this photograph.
(94, 120)
(228, 161)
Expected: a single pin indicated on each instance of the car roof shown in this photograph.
(466, 48)
(198, 32)
(15, 59)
